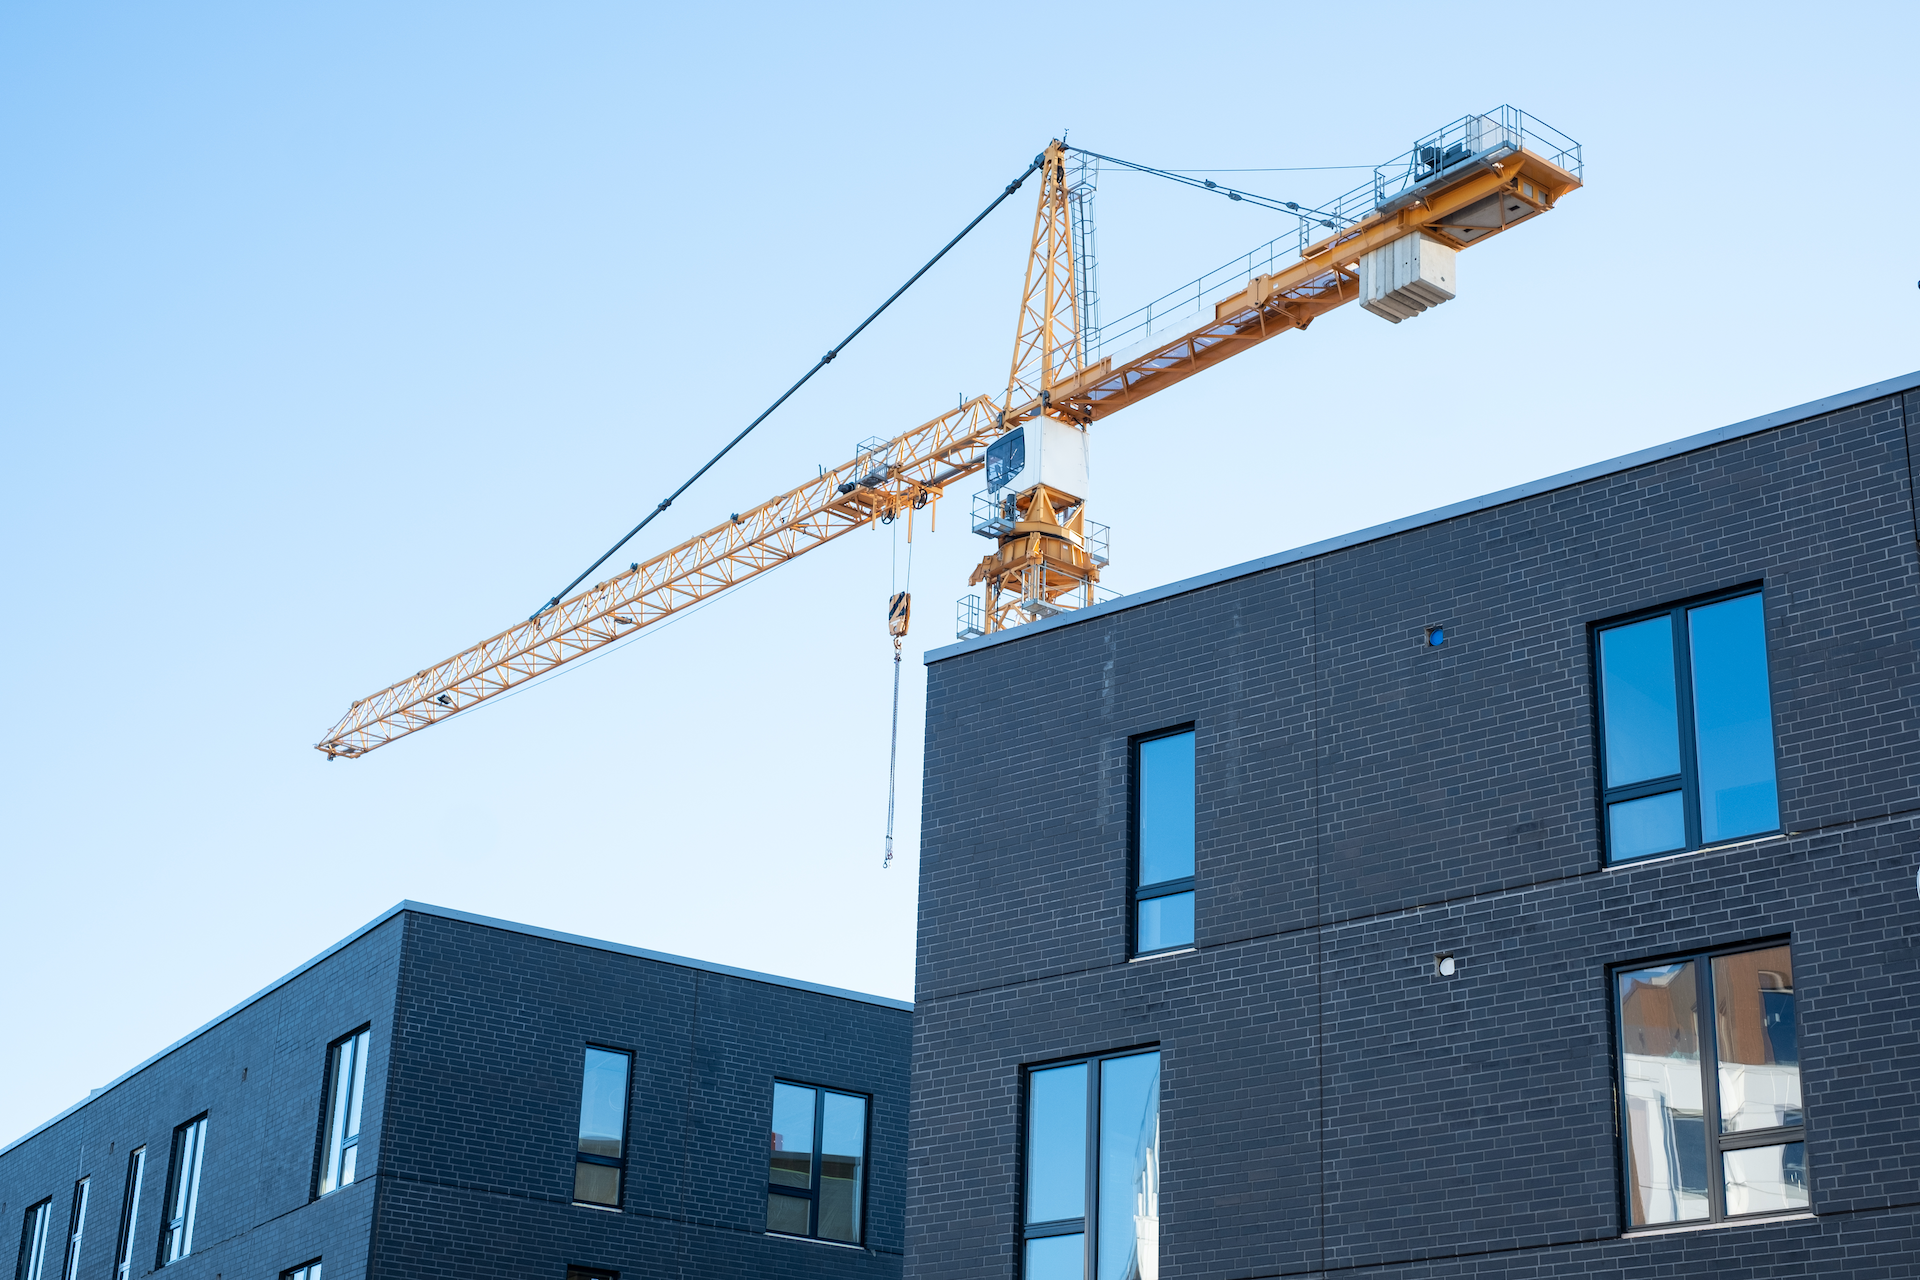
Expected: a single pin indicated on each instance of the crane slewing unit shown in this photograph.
(1389, 244)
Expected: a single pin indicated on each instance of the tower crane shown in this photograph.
(1389, 244)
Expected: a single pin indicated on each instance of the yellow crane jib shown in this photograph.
(1390, 244)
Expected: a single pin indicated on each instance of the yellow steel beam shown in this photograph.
(922, 463)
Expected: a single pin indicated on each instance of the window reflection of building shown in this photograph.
(1732, 1134)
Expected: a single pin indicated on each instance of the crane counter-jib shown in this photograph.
(1464, 194)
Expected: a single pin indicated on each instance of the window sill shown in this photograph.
(1163, 955)
(1658, 858)
(1750, 1220)
(831, 1244)
(598, 1208)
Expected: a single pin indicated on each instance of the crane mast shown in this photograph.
(1390, 245)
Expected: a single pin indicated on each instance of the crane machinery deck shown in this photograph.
(1389, 244)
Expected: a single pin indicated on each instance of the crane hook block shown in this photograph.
(897, 610)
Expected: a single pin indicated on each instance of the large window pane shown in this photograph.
(596, 1183)
(347, 1090)
(1767, 1179)
(1056, 1258)
(603, 1103)
(33, 1242)
(1166, 808)
(1057, 1144)
(130, 1213)
(1642, 726)
(1129, 1233)
(1665, 1103)
(791, 1161)
(1649, 825)
(183, 1191)
(1733, 719)
(1758, 1046)
(787, 1213)
(843, 1150)
(1166, 921)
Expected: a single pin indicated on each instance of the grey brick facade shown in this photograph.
(1330, 1106)
(473, 1098)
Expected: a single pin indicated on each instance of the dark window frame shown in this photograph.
(1137, 892)
(194, 1165)
(36, 1220)
(1717, 1143)
(76, 1227)
(812, 1193)
(1688, 777)
(303, 1269)
(575, 1271)
(322, 1151)
(1089, 1223)
(129, 1212)
(619, 1164)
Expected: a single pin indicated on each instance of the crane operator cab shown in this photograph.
(1049, 555)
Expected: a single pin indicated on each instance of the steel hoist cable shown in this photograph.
(820, 364)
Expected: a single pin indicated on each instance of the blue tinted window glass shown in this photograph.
(1733, 719)
(1057, 1144)
(1651, 824)
(1636, 699)
(603, 1103)
(1166, 922)
(1056, 1258)
(1129, 1239)
(1166, 808)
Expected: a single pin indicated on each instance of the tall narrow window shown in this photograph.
(817, 1163)
(346, 1089)
(305, 1271)
(76, 1227)
(129, 1214)
(33, 1241)
(1163, 842)
(1686, 727)
(1093, 1170)
(183, 1191)
(1711, 1122)
(602, 1157)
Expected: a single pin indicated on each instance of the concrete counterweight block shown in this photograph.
(1402, 279)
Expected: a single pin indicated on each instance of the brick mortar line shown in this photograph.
(1702, 1228)
(534, 1198)
(1531, 887)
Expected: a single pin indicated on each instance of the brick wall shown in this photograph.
(254, 1217)
(1365, 801)
(477, 1167)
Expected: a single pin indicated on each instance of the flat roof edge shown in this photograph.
(621, 948)
(468, 917)
(1468, 506)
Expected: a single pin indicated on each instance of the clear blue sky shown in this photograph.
(335, 338)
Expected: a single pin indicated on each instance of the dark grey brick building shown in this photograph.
(1492, 971)
(493, 1080)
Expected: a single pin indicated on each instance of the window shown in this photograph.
(1163, 842)
(76, 1227)
(129, 1214)
(1711, 1124)
(601, 1162)
(305, 1271)
(33, 1241)
(591, 1273)
(1093, 1170)
(183, 1191)
(817, 1163)
(346, 1087)
(1686, 727)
